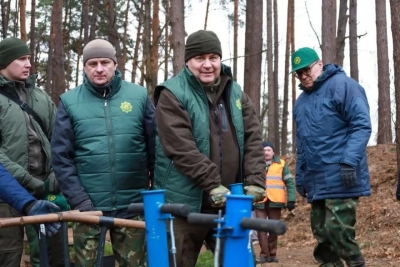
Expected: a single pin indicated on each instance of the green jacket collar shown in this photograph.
(114, 85)
(11, 85)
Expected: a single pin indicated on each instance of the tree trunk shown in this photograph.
(384, 110)
(285, 111)
(206, 18)
(85, 17)
(166, 40)
(5, 17)
(177, 34)
(276, 84)
(329, 31)
(395, 11)
(253, 52)
(341, 32)
(56, 81)
(22, 20)
(270, 73)
(294, 93)
(113, 36)
(139, 31)
(32, 36)
(125, 36)
(235, 37)
(154, 49)
(353, 40)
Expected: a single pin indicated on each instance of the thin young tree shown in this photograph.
(395, 11)
(285, 111)
(276, 83)
(341, 32)
(235, 37)
(353, 40)
(384, 114)
(32, 36)
(270, 74)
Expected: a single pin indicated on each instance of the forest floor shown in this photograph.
(378, 219)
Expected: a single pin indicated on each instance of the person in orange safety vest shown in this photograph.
(280, 193)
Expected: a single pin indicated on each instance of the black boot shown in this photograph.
(355, 261)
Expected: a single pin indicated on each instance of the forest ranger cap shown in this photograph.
(11, 49)
(302, 58)
(99, 48)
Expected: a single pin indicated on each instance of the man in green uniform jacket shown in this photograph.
(103, 153)
(25, 148)
(208, 138)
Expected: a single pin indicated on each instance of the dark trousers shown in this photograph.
(189, 240)
(268, 241)
(332, 224)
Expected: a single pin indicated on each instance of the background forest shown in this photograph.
(149, 39)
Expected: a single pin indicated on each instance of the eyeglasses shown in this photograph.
(304, 71)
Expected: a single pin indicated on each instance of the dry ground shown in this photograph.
(378, 218)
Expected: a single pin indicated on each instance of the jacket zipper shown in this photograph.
(223, 118)
(111, 151)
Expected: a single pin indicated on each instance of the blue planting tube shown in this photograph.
(237, 189)
(156, 234)
(237, 247)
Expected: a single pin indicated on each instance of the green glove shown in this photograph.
(217, 196)
(58, 200)
(257, 192)
(35, 187)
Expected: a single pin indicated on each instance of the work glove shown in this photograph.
(38, 207)
(217, 196)
(51, 185)
(58, 200)
(85, 205)
(256, 191)
(348, 175)
(290, 205)
(301, 190)
(35, 187)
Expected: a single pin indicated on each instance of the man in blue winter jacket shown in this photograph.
(333, 128)
(17, 197)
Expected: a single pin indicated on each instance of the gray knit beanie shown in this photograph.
(11, 49)
(202, 42)
(99, 48)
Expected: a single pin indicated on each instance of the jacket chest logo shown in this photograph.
(126, 107)
(238, 103)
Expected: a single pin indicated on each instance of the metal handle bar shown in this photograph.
(273, 226)
(182, 210)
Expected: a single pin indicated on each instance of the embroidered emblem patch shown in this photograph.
(239, 104)
(297, 60)
(126, 107)
(51, 197)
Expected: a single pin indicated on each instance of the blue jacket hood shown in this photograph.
(328, 71)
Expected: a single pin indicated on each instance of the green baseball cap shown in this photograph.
(303, 57)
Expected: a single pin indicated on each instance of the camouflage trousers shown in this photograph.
(332, 224)
(128, 245)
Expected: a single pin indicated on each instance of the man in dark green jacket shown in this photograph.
(103, 153)
(25, 147)
(208, 138)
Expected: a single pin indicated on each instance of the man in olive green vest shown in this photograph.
(208, 138)
(103, 153)
(25, 148)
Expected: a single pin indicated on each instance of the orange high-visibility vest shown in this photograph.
(275, 189)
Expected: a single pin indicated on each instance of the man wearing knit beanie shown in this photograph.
(209, 138)
(25, 148)
(103, 153)
(280, 193)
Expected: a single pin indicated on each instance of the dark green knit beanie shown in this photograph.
(11, 49)
(202, 42)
